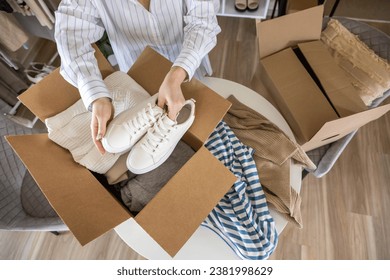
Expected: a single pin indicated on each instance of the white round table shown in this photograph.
(204, 243)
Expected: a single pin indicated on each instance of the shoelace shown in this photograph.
(144, 117)
(157, 135)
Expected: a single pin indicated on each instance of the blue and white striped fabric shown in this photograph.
(241, 218)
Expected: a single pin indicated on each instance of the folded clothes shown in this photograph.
(140, 189)
(273, 152)
(241, 218)
(71, 128)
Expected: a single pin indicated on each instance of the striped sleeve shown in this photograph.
(200, 34)
(77, 27)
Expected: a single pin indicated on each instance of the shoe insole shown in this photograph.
(184, 114)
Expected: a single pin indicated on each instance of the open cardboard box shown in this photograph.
(85, 206)
(312, 92)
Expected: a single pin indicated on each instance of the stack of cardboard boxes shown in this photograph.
(311, 91)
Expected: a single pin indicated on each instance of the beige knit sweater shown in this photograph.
(71, 128)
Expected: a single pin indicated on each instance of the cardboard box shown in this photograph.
(85, 206)
(312, 92)
(294, 6)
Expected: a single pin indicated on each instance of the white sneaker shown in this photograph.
(129, 126)
(160, 140)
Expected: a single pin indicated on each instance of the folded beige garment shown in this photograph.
(369, 73)
(71, 128)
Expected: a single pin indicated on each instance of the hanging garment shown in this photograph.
(12, 36)
(273, 154)
(71, 128)
(241, 218)
(40, 14)
(20, 7)
(5, 6)
(47, 11)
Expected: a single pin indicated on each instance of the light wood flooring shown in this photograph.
(345, 213)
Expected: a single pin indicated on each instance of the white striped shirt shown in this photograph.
(182, 31)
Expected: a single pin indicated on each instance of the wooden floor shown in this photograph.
(345, 214)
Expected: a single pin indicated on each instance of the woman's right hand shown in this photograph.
(102, 113)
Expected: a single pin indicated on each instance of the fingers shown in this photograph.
(161, 101)
(170, 93)
(174, 109)
(101, 131)
(98, 129)
(173, 99)
(101, 113)
(173, 105)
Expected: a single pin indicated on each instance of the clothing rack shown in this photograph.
(43, 10)
(4, 57)
(20, 20)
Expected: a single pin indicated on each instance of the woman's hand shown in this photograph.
(170, 93)
(102, 112)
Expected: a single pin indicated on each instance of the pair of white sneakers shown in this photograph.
(148, 133)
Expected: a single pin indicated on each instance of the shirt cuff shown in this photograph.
(91, 90)
(189, 60)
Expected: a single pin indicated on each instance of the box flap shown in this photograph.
(334, 130)
(209, 110)
(185, 201)
(299, 99)
(149, 70)
(294, 6)
(69, 195)
(335, 82)
(286, 31)
(210, 106)
(38, 96)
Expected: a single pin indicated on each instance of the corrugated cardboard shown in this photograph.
(333, 79)
(179, 208)
(74, 193)
(84, 204)
(312, 92)
(294, 6)
(286, 31)
(298, 95)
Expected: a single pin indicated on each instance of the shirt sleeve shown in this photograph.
(78, 26)
(200, 34)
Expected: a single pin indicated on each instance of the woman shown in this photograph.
(184, 31)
